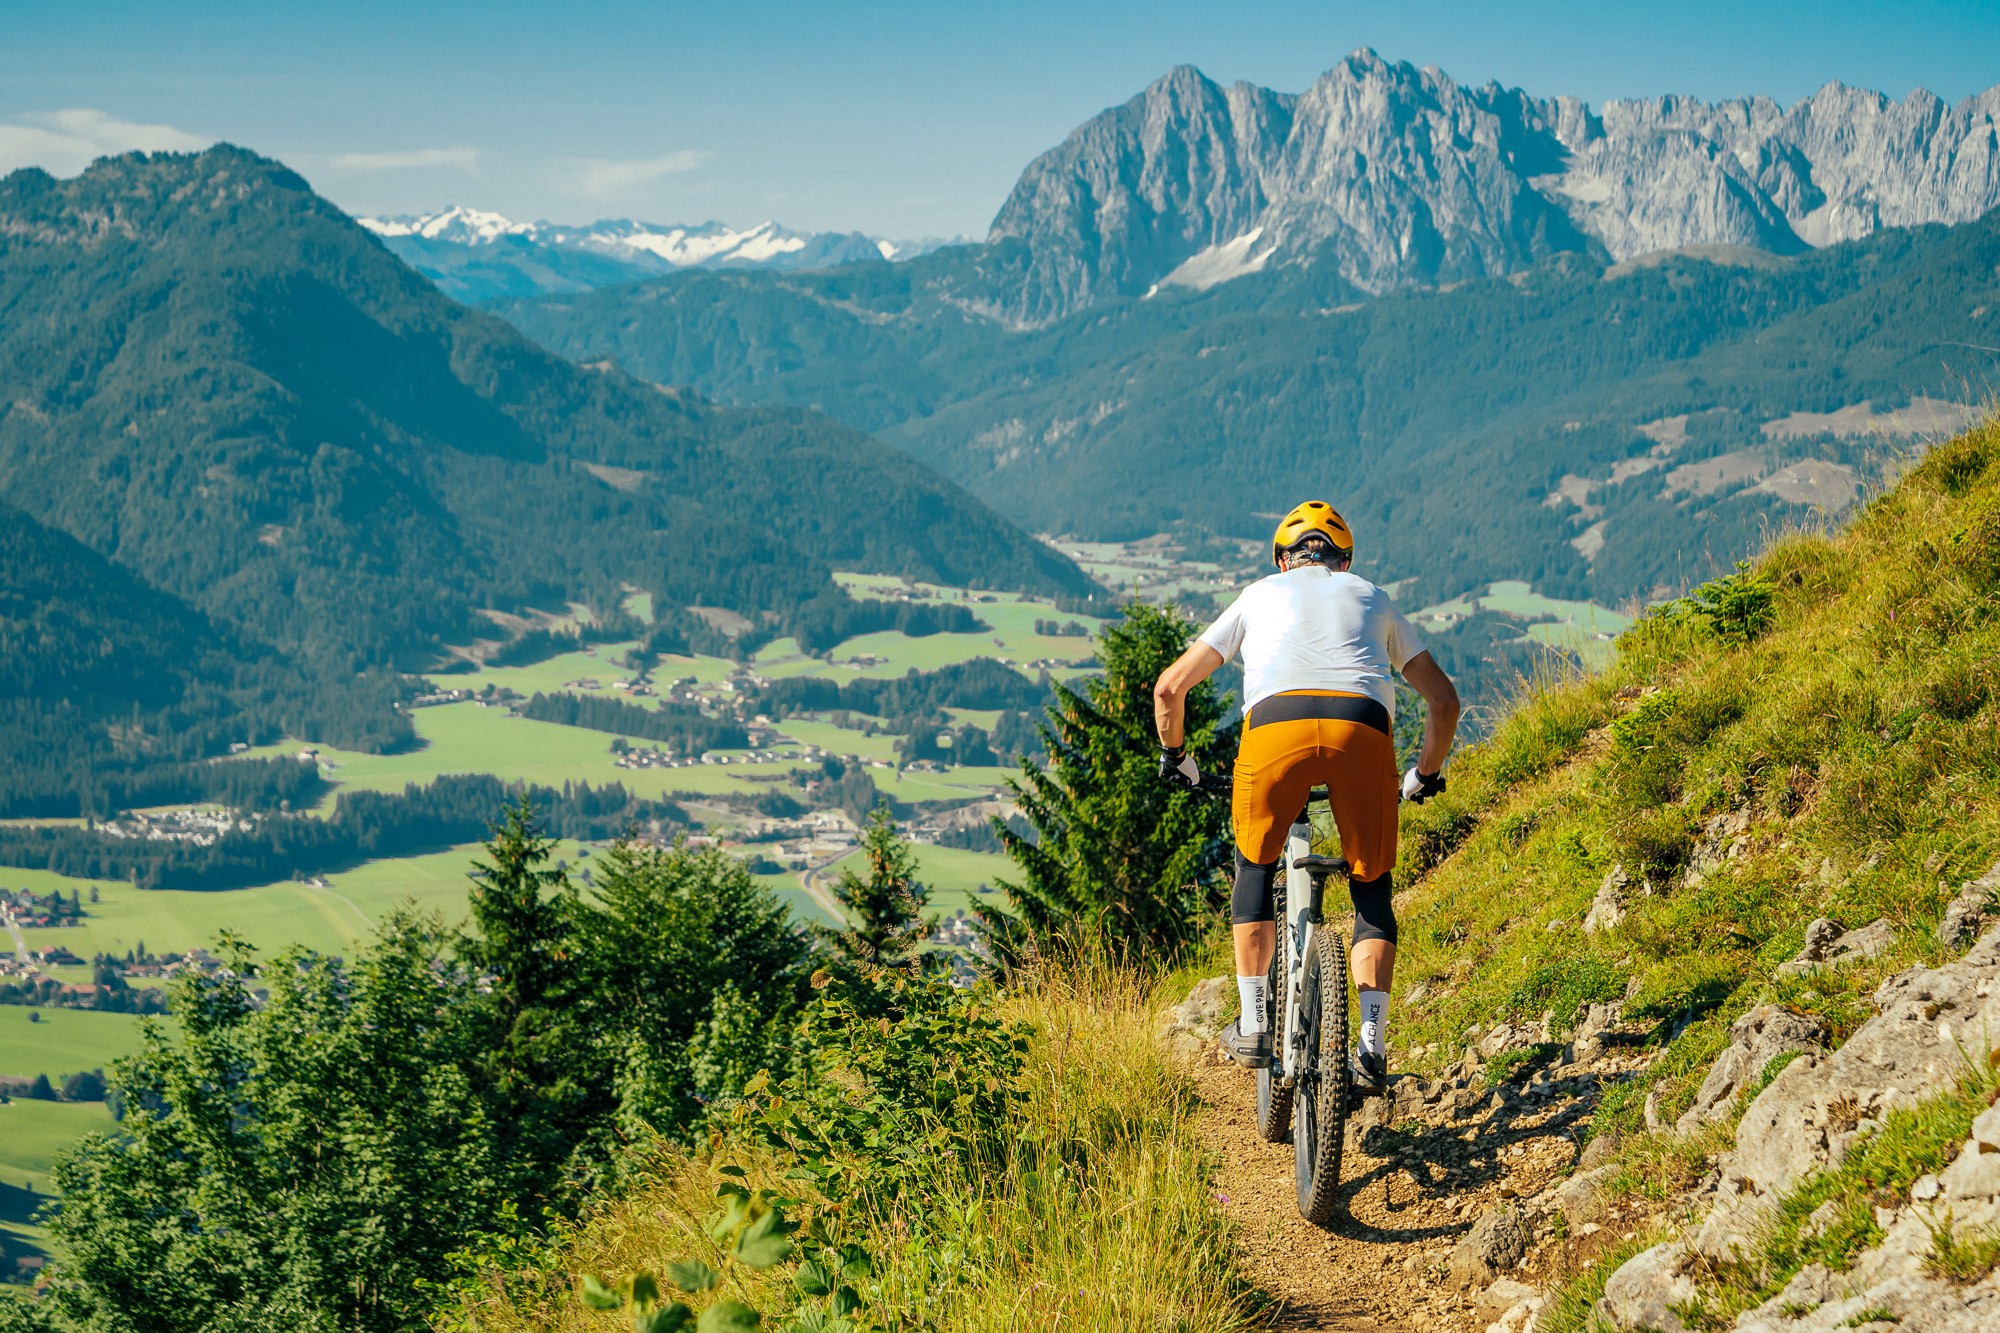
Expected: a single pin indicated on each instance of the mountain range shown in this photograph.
(478, 257)
(1397, 175)
(1603, 351)
(279, 444)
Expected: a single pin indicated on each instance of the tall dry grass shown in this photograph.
(1102, 1218)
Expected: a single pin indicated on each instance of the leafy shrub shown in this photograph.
(1652, 744)
(749, 1233)
(884, 1094)
(1735, 608)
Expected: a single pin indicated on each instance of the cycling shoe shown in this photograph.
(1251, 1052)
(1368, 1074)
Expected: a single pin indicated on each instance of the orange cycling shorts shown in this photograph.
(1302, 739)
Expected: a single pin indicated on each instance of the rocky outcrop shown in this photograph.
(1894, 1283)
(1509, 1306)
(1976, 906)
(1645, 1290)
(1195, 1023)
(1829, 944)
(1396, 174)
(1928, 1023)
(1756, 1039)
(1607, 909)
(1580, 1199)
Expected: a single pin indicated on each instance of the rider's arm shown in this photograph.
(1193, 667)
(1440, 709)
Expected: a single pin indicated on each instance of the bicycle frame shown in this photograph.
(1301, 919)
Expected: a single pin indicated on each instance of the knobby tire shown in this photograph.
(1320, 1097)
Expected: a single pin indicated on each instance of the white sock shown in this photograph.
(1375, 1022)
(1251, 991)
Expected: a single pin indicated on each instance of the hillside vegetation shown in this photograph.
(1816, 735)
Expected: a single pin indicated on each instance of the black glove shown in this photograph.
(1420, 787)
(1177, 768)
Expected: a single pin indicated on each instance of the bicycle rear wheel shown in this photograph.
(1319, 1100)
(1274, 1095)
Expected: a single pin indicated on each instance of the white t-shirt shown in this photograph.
(1315, 629)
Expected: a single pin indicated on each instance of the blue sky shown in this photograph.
(900, 119)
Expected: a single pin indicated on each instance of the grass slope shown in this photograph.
(1853, 739)
(1817, 736)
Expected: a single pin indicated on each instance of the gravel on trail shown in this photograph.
(1416, 1178)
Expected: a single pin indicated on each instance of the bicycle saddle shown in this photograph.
(1320, 865)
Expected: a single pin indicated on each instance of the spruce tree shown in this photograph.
(1116, 856)
(543, 1077)
(885, 910)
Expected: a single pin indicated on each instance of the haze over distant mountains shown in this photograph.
(479, 256)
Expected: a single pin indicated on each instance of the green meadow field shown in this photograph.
(31, 1134)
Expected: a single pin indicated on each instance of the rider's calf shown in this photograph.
(1251, 901)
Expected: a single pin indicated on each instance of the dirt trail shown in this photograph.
(1409, 1193)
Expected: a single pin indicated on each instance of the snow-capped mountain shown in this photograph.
(479, 256)
(1401, 175)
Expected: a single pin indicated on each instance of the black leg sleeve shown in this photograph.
(1251, 899)
(1374, 913)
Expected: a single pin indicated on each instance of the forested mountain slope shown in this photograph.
(110, 688)
(1600, 430)
(213, 377)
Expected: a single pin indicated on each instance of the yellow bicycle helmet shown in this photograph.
(1314, 517)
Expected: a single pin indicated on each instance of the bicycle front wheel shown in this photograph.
(1319, 1099)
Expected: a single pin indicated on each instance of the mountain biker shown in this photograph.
(1318, 644)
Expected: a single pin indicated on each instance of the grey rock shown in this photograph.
(1496, 1242)
(1970, 911)
(1580, 1199)
(1504, 1294)
(1829, 944)
(1399, 175)
(1646, 1287)
(1756, 1039)
(1607, 909)
(1810, 1287)
(1720, 840)
(1373, 1113)
(1600, 1151)
(1592, 1026)
(1926, 1022)
(1986, 1130)
(1406, 1098)
(1915, 1303)
(1196, 1022)
(1507, 1036)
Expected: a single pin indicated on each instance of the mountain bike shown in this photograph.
(1305, 1092)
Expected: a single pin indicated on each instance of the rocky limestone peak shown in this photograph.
(1400, 175)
